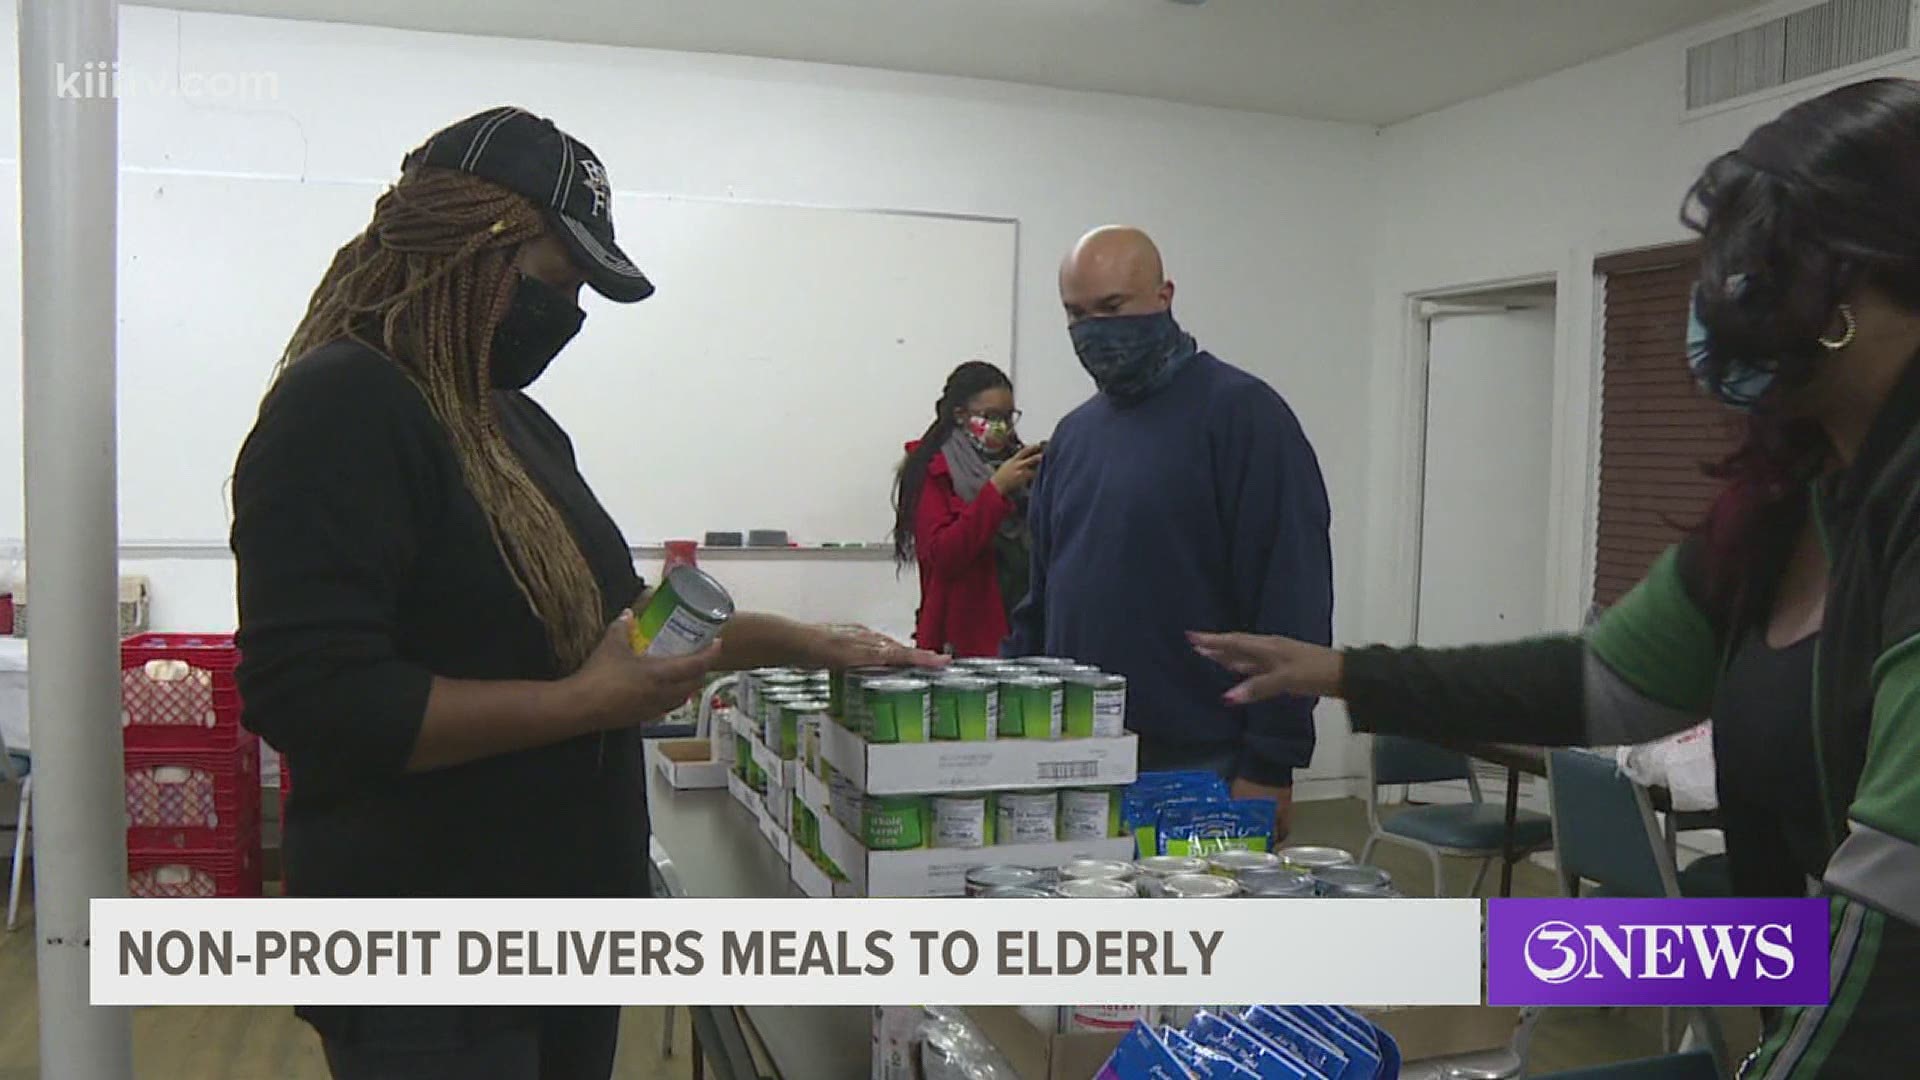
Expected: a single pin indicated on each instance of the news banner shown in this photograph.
(298, 951)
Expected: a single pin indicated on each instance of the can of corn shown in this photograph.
(961, 821)
(893, 823)
(1041, 699)
(966, 708)
(898, 710)
(1027, 817)
(1090, 814)
(683, 616)
(1096, 705)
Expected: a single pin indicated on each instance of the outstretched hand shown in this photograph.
(1273, 666)
(839, 647)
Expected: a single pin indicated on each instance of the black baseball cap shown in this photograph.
(527, 154)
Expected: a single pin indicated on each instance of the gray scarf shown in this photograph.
(973, 470)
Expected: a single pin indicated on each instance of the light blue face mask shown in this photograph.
(1741, 385)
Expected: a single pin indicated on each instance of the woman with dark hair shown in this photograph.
(1806, 313)
(959, 503)
(434, 607)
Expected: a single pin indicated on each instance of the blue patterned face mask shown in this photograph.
(1741, 385)
(1131, 356)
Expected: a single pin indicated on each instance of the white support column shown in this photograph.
(68, 180)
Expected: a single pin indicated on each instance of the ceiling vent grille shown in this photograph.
(1810, 42)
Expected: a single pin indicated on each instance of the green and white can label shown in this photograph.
(1096, 706)
(899, 710)
(966, 709)
(1027, 817)
(893, 823)
(961, 821)
(1089, 813)
(683, 616)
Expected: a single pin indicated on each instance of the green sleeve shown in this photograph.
(1658, 639)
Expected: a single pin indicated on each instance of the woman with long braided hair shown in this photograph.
(435, 609)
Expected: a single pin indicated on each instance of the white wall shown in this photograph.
(1264, 220)
(1527, 183)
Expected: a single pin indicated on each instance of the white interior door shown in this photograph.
(1489, 448)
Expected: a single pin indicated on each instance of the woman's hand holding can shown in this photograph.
(616, 689)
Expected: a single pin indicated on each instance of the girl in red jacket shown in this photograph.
(960, 511)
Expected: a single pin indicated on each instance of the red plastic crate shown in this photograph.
(203, 799)
(195, 873)
(178, 691)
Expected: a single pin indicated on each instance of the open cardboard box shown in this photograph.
(997, 764)
(686, 764)
(936, 871)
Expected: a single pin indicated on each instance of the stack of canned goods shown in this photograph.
(974, 819)
(1218, 876)
(976, 700)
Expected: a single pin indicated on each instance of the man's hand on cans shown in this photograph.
(616, 689)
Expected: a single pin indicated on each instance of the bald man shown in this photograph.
(1182, 495)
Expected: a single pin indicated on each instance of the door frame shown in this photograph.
(1418, 313)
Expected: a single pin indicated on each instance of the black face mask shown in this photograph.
(539, 322)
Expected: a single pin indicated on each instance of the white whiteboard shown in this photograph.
(768, 384)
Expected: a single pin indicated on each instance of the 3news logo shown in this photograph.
(1657, 952)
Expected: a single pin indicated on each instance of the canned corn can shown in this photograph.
(1081, 869)
(1234, 862)
(1095, 705)
(1007, 691)
(1096, 889)
(1278, 883)
(1040, 700)
(899, 710)
(966, 709)
(1311, 859)
(893, 823)
(1043, 663)
(1168, 866)
(1027, 817)
(809, 718)
(858, 719)
(1018, 892)
(1332, 880)
(1090, 814)
(982, 879)
(961, 821)
(976, 663)
(1201, 886)
(683, 616)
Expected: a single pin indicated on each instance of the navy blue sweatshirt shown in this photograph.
(1199, 508)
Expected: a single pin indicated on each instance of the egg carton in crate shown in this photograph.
(195, 874)
(193, 799)
(178, 690)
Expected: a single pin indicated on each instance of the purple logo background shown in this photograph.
(1572, 952)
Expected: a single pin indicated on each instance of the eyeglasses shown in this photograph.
(1008, 418)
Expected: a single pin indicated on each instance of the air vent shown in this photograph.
(1830, 36)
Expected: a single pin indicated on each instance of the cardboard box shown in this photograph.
(770, 762)
(813, 881)
(998, 764)
(772, 831)
(1042, 1055)
(744, 795)
(686, 764)
(939, 871)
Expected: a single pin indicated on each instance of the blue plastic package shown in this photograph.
(1265, 1060)
(1294, 1061)
(1142, 800)
(1305, 1043)
(1203, 828)
(1142, 1056)
(1204, 1062)
(1360, 1047)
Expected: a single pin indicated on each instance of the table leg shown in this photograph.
(1509, 856)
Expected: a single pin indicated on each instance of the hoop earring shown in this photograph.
(1846, 339)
